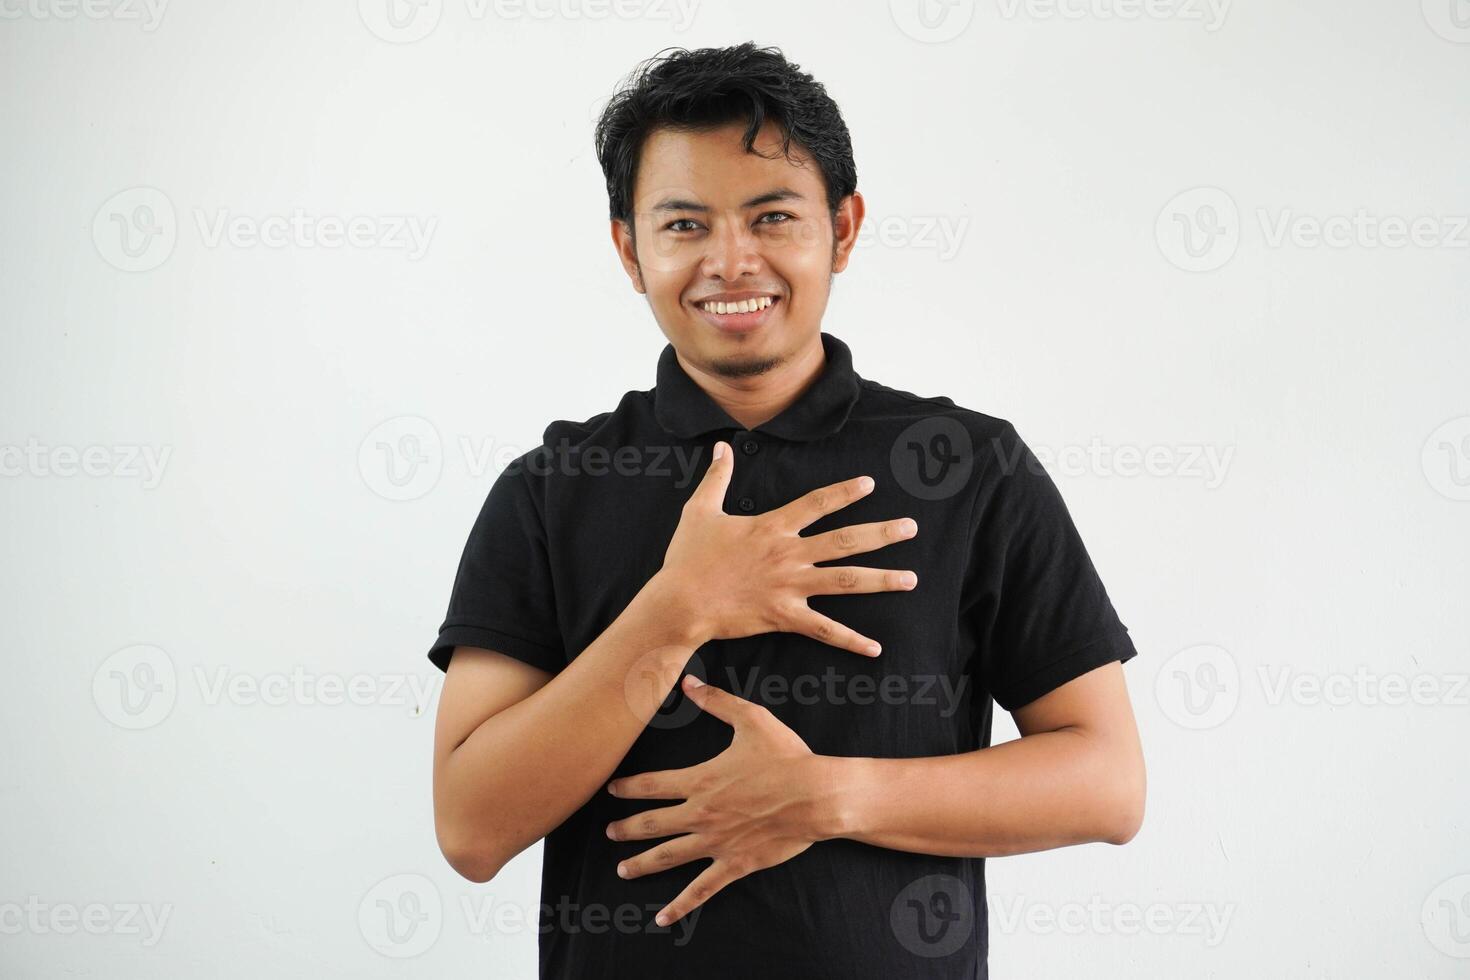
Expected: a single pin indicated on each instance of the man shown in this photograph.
(853, 572)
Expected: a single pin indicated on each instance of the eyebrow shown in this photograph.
(770, 197)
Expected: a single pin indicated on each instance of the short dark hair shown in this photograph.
(711, 87)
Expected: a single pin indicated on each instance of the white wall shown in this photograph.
(1062, 150)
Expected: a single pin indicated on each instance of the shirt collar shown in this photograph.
(684, 409)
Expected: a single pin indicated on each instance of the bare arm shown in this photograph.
(1075, 776)
(510, 765)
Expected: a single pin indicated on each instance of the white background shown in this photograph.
(1079, 295)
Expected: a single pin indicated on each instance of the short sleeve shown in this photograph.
(1035, 601)
(502, 598)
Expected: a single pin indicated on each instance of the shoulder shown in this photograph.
(940, 416)
(611, 428)
(566, 438)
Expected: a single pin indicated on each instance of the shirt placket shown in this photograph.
(749, 488)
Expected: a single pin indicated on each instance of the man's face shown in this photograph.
(714, 222)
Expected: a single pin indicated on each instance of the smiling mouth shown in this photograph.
(744, 315)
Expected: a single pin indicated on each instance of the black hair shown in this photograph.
(711, 87)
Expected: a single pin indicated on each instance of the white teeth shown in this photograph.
(744, 306)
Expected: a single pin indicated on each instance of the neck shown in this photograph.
(761, 397)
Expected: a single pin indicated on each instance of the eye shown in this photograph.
(673, 225)
(785, 216)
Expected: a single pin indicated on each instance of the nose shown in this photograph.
(732, 251)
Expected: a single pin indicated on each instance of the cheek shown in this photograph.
(664, 287)
(804, 258)
(807, 278)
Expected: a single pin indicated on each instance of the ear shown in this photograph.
(845, 225)
(622, 237)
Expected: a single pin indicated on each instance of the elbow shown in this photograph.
(469, 839)
(471, 856)
(1125, 826)
(473, 866)
(477, 871)
(1125, 811)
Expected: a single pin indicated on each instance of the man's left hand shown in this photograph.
(752, 806)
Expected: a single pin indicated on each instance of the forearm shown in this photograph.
(525, 769)
(1046, 790)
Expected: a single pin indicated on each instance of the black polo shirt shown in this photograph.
(1008, 606)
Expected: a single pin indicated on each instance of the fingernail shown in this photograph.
(908, 527)
(693, 681)
(909, 580)
(661, 919)
(612, 788)
(865, 484)
(874, 649)
(611, 833)
(622, 871)
(719, 450)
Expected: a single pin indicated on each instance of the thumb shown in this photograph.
(711, 489)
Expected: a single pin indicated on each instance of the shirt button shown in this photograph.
(746, 504)
(751, 447)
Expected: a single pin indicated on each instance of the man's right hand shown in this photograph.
(740, 576)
